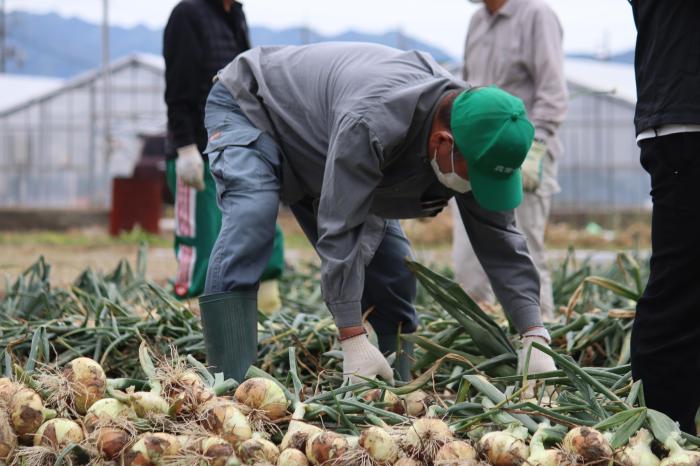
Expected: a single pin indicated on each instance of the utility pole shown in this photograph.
(107, 104)
(3, 34)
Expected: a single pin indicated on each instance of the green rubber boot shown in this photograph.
(389, 344)
(230, 327)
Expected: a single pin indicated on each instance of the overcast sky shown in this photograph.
(589, 25)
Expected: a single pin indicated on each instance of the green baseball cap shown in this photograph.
(492, 132)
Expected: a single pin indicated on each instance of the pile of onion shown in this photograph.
(588, 444)
(505, 447)
(638, 451)
(424, 438)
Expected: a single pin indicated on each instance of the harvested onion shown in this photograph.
(224, 419)
(407, 462)
(8, 439)
(455, 453)
(58, 433)
(325, 447)
(425, 437)
(298, 431)
(107, 411)
(677, 455)
(505, 448)
(257, 450)
(88, 382)
(26, 411)
(264, 395)
(416, 403)
(541, 456)
(292, 457)
(588, 444)
(111, 441)
(217, 451)
(151, 449)
(379, 445)
(391, 402)
(638, 451)
(148, 404)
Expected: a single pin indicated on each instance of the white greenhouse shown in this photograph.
(53, 144)
(53, 153)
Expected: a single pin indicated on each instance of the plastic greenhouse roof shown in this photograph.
(16, 88)
(616, 79)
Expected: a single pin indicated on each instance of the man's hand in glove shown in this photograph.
(539, 361)
(190, 167)
(362, 358)
(531, 169)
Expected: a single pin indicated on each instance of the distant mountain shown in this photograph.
(52, 45)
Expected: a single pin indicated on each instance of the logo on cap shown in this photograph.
(502, 169)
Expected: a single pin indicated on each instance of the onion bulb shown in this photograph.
(506, 447)
(58, 433)
(379, 445)
(263, 394)
(677, 455)
(88, 382)
(107, 411)
(8, 438)
(416, 403)
(588, 444)
(324, 447)
(541, 456)
(292, 457)
(455, 453)
(391, 402)
(148, 404)
(111, 441)
(7, 388)
(257, 449)
(638, 451)
(425, 437)
(225, 420)
(185, 390)
(217, 451)
(297, 435)
(26, 411)
(151, 449)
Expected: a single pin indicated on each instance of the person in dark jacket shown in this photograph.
(666, 330)
(201, 37)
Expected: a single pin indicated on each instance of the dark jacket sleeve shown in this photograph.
(182, 51)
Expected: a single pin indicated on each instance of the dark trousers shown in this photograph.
(666, 332)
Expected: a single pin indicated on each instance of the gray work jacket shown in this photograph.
(519, 49)
(352, 121)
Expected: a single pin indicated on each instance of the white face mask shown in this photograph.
(452, 180)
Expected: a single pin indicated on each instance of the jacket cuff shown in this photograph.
(347, 314)
(526, 317)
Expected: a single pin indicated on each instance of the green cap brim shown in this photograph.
(497, 194)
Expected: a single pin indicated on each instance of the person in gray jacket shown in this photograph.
(517, 45)
(354, 137)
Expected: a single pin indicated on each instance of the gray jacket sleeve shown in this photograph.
(347, 235)
(547, 69)
(502, 251)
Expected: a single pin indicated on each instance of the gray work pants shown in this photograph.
(531, 218)
(246, 165)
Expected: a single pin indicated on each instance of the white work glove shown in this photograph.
(269, 297)
(362, 358)
(531, 169)
(190, 167)
(539, 361)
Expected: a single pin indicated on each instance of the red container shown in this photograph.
(135, 201)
